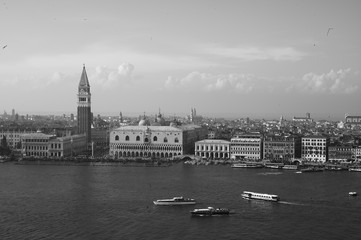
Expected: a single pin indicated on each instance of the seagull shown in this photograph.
(4, 47)
(328, 31)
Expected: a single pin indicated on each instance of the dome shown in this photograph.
(144, 122)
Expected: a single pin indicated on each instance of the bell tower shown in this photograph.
(84, 107)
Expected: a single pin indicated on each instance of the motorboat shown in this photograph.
(260, 196)
(290, 167)
(355, 169)
(210, 211)
(247, 165)
(274, 165)
(352, 194)
(175, 201)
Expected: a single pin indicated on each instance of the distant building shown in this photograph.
(303, 119)
(352, 121)
(281, 148)
(246, 146)
(193, 117)
(315, 148)
(211, 135)
(212, 149)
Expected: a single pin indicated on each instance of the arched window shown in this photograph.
(126, 138)
(155, 138)
(176, 140)
(165, 140)
(137, 138)
(146, 140)
(116, 138)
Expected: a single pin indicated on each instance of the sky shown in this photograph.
(231, 58)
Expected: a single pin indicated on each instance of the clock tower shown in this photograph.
(84, 107)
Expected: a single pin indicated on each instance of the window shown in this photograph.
(146, 140)
(137, 138)
(176, 140)
(165, 140)
(116, 138)
(126, 138)
(155, 139)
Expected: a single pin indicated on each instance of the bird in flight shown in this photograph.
(328, 31)
(4, 47)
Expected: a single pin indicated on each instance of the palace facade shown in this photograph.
(154, 141)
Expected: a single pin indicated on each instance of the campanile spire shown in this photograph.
(84, 106)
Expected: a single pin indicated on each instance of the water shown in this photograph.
(87, 202)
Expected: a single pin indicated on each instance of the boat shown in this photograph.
(175, 201)
(290, 167)
(247, 165)
(355, 169)
(352, 194)
(274, 165)
(333, 168)
(260, 196)
(210, 211)
(312, 169)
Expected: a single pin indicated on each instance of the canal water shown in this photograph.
(113, 202)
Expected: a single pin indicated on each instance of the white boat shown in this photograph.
(247, 165)
(260, 196)
(352, 193)
(175, 201)
(290, 167)
(274, 165)
(355, 169)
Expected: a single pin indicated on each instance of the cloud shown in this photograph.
(108, 77)
(343, 81)
(206, 82)
(256, 53)
(333, 82)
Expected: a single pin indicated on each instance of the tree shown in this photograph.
(4, 148)
(4, 143)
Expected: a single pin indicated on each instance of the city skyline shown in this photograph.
(232, 58)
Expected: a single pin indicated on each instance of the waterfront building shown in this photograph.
(13, 137)
(212, 149)
(36, 144)
(84, 116)
(246, 146)
(145, 141)
(340, 153)
(357, 153)
(315, 148)
(46, 145)
(281, 148)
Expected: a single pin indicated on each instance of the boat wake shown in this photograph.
(270, 173)
(292, 203)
